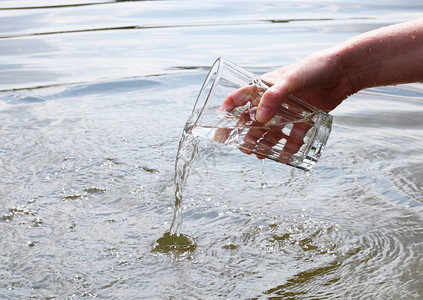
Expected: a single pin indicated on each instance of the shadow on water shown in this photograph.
(287, 290)
(174, 243)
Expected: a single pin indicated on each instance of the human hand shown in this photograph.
(319, 80)
(325, 79)
(278, 139)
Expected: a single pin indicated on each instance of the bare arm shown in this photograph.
(386, 56)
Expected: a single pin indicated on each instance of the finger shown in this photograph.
(240, 97)
(295, 140)
(261, 141)
(254, 132)
(271, 143)
(221, 135)
(271, 101)
(252, 137)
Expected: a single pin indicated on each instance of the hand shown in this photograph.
(318, 80)
(259, 138)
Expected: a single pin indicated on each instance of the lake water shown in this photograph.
(93, 100)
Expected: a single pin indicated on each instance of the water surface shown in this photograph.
(93, 100)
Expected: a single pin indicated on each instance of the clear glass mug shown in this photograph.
(225, 112)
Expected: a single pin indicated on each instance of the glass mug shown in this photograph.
(225, 112)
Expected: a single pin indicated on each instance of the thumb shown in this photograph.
(271, 101)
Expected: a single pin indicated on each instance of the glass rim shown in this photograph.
(215, 72)
(216, 69)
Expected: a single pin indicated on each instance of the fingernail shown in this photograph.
(262, 115)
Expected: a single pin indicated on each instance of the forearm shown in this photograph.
(386, 56)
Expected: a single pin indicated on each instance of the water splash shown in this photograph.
(263, 184)
(173, 240)
(174, 243)
(188, 148)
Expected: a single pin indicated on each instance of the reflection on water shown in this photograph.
(90, 124)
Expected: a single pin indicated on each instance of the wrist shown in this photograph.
(360, 62)
(386, 56)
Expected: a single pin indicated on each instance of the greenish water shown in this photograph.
(93, 100)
